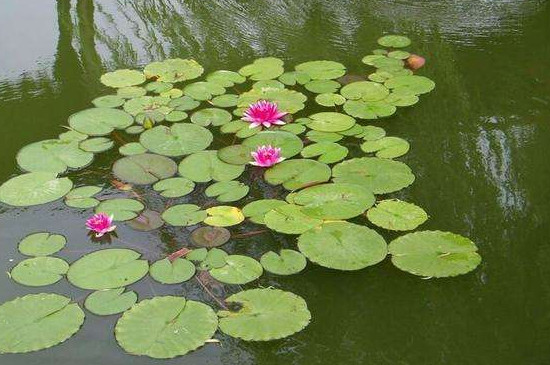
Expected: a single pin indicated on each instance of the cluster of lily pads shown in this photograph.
(161, 122)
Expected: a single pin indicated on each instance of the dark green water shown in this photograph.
(480, 151)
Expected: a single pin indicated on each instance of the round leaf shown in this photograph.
(41, 244)
(394, 41)
(178, 140)
(387, 147)
(184, 215)
(120, 208)
(396, 215)
(289, 143)
(122, 78)
(256, 210)
(172, 272)
(173, 70)
(227, 191)
(144, 169)
(290, 219)
(100, 121)
(39, 271)
(174, 187)
(287, 262)
(210, 236)
(328, 152)
(205, 166)
(53, 155)
(34, 188)
(322, 70)
(223, 216)
(237, 270)
(330, 122)
(110, 301)
(296, 174)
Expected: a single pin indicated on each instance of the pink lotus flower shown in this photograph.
(264, 113)
(100, 223)
(266, 156)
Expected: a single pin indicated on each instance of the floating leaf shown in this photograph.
(400, 55)
(434, 254)
(178, 140)
(402, 99)
(174, 187)
(82, 197)
(172, 272)
(372, 133)
(147, 105)
(256, 210)
(387, 147)
(290, 219)
(173, 70)
(134, 129)
(148, 220)
(205, 166)
(165, 327)
(394, 41)
(159, 87)
(263, 69)
(354, 131)
(108, 101)
(144, 169)
(214, 116)
(289, 143)
(264, 314)
(121, 209)
(292, 128)
(227, 191)
(235, 155)
(184, 215)
(330, 99)
(107, 269)
(37, 321)
(184, 103)
(131, 92)
(268, 84)
(197, 254)
(318, 136)
(225, 101)
(290, 101)
(287, 262)
(411, 84)
(291, 78)
(122, 78)
(203, 90)
(330, 122)
(100, 121)
(34, 188)
(240, 128)
(343, 246)
(237, 270)
(96, 145)
(176, 116)
(210, 236)
(41, 244)
(296, 174)
(110, 301)
(365, 91)
(369, 110)
(225, 78)
(172, 93)
(215, 259)
(396, 215)
(39, 271)
(322, 86)
(53, 155)
(223, 216)
(322, 70)
(328, 152)
(132, 148)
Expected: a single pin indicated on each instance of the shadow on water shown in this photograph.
(479, 151)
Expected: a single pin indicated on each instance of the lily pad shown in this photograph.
(178, 140)
(235, 155)
(387, 147)
(184, 103)
(158, 87)
(238, 270)
(369, 110)
(402, 98)
(256, 210)
(107, 269)
(411, 84)
(378, 175)
(39, 271)
(134, 129)
(223, 216)
(100, 121)
(263, 69)
(37, 321)
(372, 133)
(184, 215)
(290, 219)
(330, 122)
(227, 191)
(330, 99)
(394, 41)
(322, 70)
(214, 116)
(292, 128)
(400, 55)
(122, 78)
(205, 166)
(148, 105)
(290, 101)
(240, 128)
(225, 78)
(327, 152)
(264, 314)
(210, 236)
(365, 90)
(176, 116)
(144, 169)
(34, 188)
(318, 136)
(174, 187)
(53, 155)
(148, 220)
(396, 215)
(41, 244)
(215, 259)
(82, 197)
(287, 262)
(294, 77)
(165, 327)
(203, 90)
(434, 254)
(268, 84)
(322, 86)
(108, 101)
(289, 143)
(132, 148)
(173, 70)
(96, 145)
(121, 209)
(131, 92)
(298, 173)
(225, 101)
(172, 272)
(343, 246)
(110, 301)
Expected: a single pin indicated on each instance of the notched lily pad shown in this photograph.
(287, 262)
(123, 78)
(184, 215)
(110, 301)
(39, 271)
(121, 209)
(210, 236)
(34, 188)
(223, 216)
(41, 244)
(298, 173)
(238, 270)
(172, 272)
(396, 215)
(144, 169)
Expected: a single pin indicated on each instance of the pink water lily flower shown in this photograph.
(264, 113)
(100, 223)
(266, 156)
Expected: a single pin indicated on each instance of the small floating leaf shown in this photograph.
(235, 155)
(148, 220)
(372, 133)
(122, 78)
(299, 173)
(132, 148)
(34, 188)
(287, 262)
(144, 169)
(108, 101)
(227, 191)
(39, 271)
(327, 152)
(291, 78)
(174, 187)
(396, 215)
(365, 91)
(290, 219)
(256, 210)
(82, 197)
(322, 86)
(210, 236)
(411, 84)
(214, 116)
(322, 70)
(225, 101)
(203, 90)
(120, 208)
(290, 101)
(178, 140)
(330, 122)
(96, 145)
(263, 69)
(131, 92)
(184, 215)
(176, 116)
(173, 70)
(110, 301)
(394, 41)
(289, 143)
(330, 99)
(237, 270)
(100, 121)
(172, 272)
(387, 147)
(318, 136)
(184, 103)
(225, 78)
(41, 244)
(53, 155)
(223, 216)
(148, 105)
(205, 166)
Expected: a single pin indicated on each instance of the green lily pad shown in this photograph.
(215, 259)
(108, 101)
(387, 147)
(100, 121)
(121, 209)
(197, 255)
(34, 188)
(365, 91)
(178, 140)
(330, 99)
(176, 116)
(225, 78)
(41, 244)
(165, 327)
(235, 155)
(327, 152)
(174, 187)
(369, 110)
(394, 41)
(147, 104)
(134, 129)
(184, 103)
(411, 84)
(237, 270)
(297, 174)
(402, 99)
(227, 191)
(37, 321)
(39, 271)
(122, 78)
(343, 246)
(214, 116)
(146, 221)
(400, 55)
(132, 148)
(225, 101)
(205, 166)
(72, 135)
(184, 215)
(210, 236)
(131, 92)
(223, 216)
(203, 90)
(53, 155)
(289, 143)
(172, 93)
(263, 69)
(287, 262)
(110, 301)
(396, 215)
(354, 131)
(268, 84)
(322, 70)
(322, 86)
(372, 133)
(264, 314)
(434, 254)
(334, 201)
(256, 210)
(290, 219)
(318, 136)
(294, 77)
(378, 175)
(173, 70)
(330, 122)
(240, 128)
(290, 101)
(144, 169)
(82, 197)
(96, 145)
(107, 269)
(292, 128)
(158, 87)
(172, 272)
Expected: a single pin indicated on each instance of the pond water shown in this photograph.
(479, 151)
